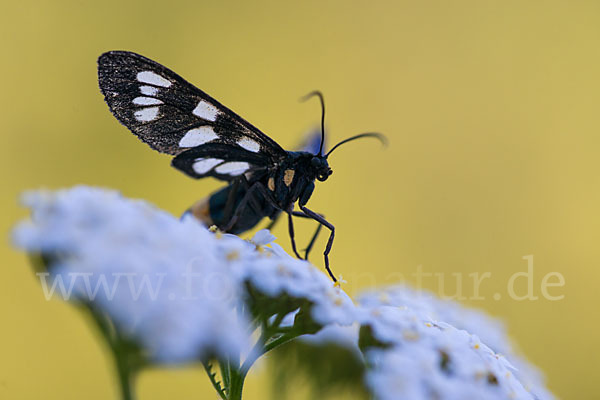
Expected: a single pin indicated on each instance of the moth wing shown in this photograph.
(170, 114)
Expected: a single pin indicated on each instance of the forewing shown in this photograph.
(220, 161)
(170, 114)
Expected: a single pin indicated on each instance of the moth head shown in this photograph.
(321, 168)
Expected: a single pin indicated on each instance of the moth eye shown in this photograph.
(315, 162)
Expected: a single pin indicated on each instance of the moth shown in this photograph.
(207, 139)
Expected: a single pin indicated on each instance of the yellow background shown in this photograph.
(491, 108)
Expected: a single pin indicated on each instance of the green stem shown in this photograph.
(237, 375)
(237, 385)
(286, 337)
(277, 321)
(254, 355)
(125, 377)
(120, 353)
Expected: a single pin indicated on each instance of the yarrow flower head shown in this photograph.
(169, 283)
(162, 281)
(412, 357)
(486, 332)
(178, 292)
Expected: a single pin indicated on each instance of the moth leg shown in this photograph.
(238, 210)
(323, 221)
(257, 206)
(269, 198)
(315, 235)
(273, 221)
(291, 230)
(260, 187)
(248, 198)
(312, 241)
(230, 201)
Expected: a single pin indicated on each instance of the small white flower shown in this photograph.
(278, 251)
(262, 238)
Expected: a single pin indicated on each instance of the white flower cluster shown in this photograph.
(169, 283)
(161, 280)
(421, 359)
(185, 293)
(487, 336)
(417, 346)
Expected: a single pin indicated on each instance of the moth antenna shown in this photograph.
(320, 96)
(382, 138)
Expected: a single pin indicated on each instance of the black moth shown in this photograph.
(208, 139)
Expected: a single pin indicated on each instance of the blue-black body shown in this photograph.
(291, 181)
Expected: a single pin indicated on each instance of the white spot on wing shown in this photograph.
(203, 165)
(146, 114)
(206, 111)
(149, 90)
(146, 101)
(249, 144)
(153, 79)
(233, 168)
(197, 136)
